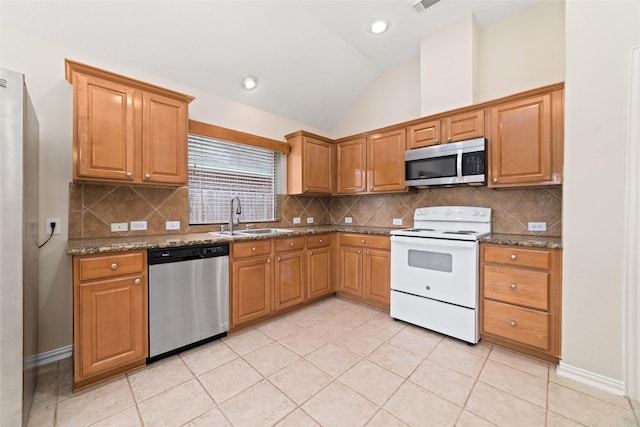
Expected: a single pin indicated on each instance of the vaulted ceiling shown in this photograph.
(313, 59)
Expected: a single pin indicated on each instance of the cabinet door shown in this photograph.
(423, 135)
(464, 126)
(377, 273)
(289, 279)
(351, 162)
(351, 270)
(251, 289)
(111, 329)
(385, 161)
(318, 166)
(521, 143)
(104, 126)
(164, 140)
(319, 272)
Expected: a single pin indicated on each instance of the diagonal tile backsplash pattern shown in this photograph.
(93, 207)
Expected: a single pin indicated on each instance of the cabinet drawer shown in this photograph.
(105, 265)
(321, 241)
(294, 243)
(516, 286)
(378, 242)
(247, 249)
(516, 323)
(510, 255)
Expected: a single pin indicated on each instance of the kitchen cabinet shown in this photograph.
(520, 305)
(319, 266)
(251, 281)
(526, 141)
(364, 268)
(310, 164)
(456, 127)
(374, 164)
(289, 272)
(109, 315)
(126, 131)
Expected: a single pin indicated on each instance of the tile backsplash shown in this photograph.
(93, 207)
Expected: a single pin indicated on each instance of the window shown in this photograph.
(221, 170)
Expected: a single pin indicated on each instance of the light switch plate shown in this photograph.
(310, 220)
(172, 225)
(138, 225)
(348, 220)
(397, 221)
(537, 226)
(119, 226)
(296, 220)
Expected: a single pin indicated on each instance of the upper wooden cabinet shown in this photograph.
(127, 131)
(309, 164)
(526, 141)
(457, 127)
(371, 165)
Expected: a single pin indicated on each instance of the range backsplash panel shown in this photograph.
(93, 207)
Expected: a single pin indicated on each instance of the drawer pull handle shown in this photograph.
(291, 244)
(114, 266)
(512, 324)
(253, 249)
(514, 257)
(137, 281)
(362, 241)
(513, 286)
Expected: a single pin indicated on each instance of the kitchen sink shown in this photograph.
(226, 233)
(264, 231)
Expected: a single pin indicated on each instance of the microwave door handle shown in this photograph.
(459, 165)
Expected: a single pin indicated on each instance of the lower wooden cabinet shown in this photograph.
(251, 281)
(320, 278)
(110, 315)
(521, 299)
(289, 275)
(364, 268)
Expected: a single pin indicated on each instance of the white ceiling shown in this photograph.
(313, 59)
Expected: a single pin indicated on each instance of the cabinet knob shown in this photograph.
(514, 257)
(291, 244)
(449, 139)
(437, 141)
(321, 240)
(359, 251)
(368, 253)
(253, 249)
(512, 324)
(362, 241)
(114, 266)
(495, 179)
(268, 261)
(147, 176)
(513, 286)
(129, 174)
(310, 252)
(306, 188)
(278, 259)
(371, 188)
(137, 281)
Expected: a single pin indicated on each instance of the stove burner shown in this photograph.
(417, 230)
(459, 232)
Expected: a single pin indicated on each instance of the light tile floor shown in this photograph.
(336, 363)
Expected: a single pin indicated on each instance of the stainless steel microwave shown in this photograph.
(455, 163)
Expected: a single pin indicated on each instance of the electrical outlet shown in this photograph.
(296, 220)
(172, 225)
(310, 220)
(397, 221)
(47, 226)
(348, 220)
(119, 226)
(138, 225)
(537, 226)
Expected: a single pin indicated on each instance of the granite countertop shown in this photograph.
(120, 244)
(523, 240)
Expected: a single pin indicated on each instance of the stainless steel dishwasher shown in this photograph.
(188, 297)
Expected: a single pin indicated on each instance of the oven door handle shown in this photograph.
(419, 243)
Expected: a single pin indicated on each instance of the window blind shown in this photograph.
(221, 170)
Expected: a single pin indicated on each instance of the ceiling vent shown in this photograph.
(420, 6)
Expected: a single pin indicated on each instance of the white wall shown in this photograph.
(43, 64)
(393, 98)
(599, 38)
(522, 52)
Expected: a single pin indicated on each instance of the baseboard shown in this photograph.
(47, 357)
(594, 380)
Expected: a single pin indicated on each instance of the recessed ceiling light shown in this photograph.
(249, 82)
(378, 26)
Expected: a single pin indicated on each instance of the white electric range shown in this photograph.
(434, 270)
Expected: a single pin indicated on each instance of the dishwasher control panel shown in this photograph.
(186, 253)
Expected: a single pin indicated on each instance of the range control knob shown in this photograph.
(448, 212)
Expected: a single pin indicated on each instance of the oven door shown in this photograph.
(440, 269)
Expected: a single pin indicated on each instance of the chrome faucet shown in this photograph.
(238, 212)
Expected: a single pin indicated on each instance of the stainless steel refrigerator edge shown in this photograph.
(18, 249)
